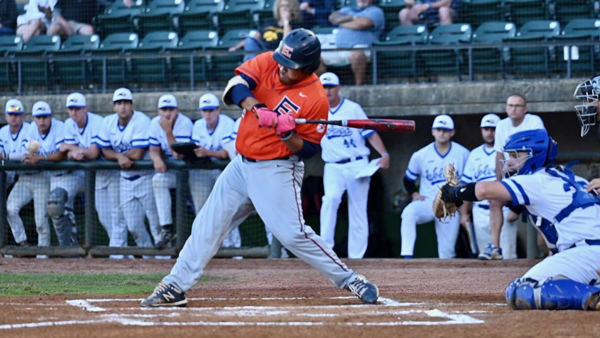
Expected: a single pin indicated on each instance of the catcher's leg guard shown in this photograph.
(63, 220)
(553, 294)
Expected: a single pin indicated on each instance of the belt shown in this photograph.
(132, 178)
(347, 160)
(484, 206)
(247, 159)
(67, 173)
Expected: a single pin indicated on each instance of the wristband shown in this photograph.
(287, 137)
(385, 155)
(258, 105)
(466, 193)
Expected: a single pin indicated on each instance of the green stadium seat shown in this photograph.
(522, 11)
(238, 14)
(584, 59)
(447, 61)
(74, 71)
(8, 44)
(391, 8)
(36, 72)
(81, 42)
(198, 15)
(118, 18)
(220, 68)
(394, 64)
(477, 12)
(491, 60)
(533, 60)
(116, 69)
(568, 10)
(183, 67)
(266, 13)
(345, 3)
(158, 16)
(152, 70)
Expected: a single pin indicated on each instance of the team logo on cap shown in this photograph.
(206, 101)
(442, 122)
(489, 121)
(40, 109)
(166, 101)
(287, 51)
(121, 94)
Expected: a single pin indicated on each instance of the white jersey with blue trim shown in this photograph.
(50, 142)
(122, 139)
(341, 143)
(182, 131)
(546, 194)
(86, 136)
(213, 140)
(480, 166)
(505, 128)
(12, 144)
(428, 164)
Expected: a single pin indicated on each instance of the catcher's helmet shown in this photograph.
(588, 92)
(541, 151)
(300, 49)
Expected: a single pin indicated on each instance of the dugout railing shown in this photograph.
(561, 55)
(91, 227)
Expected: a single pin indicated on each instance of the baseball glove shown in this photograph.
(444, 204)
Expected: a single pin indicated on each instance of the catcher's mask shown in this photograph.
(587, 92)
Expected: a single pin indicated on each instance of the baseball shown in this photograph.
(33, 146)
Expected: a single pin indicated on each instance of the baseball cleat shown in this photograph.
(363, 289)
(166, 236)
(491, 253)
(165, 295)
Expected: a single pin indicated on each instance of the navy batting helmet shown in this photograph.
(300, 49)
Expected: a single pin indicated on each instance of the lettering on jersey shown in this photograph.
(122, 147)
(437, 175)
(337, 131)
(286, 106)
(484, 171)
(287, 51)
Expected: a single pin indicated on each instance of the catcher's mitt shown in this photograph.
(445, 205)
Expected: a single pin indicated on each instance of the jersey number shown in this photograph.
(349, 143)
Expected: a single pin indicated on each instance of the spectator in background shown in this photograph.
(8, 17)
(39, 16)
(75, 18)
(286, 17)
(316, 12)
(359, 28)
(427, 11)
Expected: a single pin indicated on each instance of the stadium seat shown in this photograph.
(36, 72)
(74, 71)
(477, 12)
(345, 3)
(81, 42)
(220, 68)
(266, 13)
(533, 60)
(568, 10)
(158, 16)
(491, 60)
(8, 44)
(522, 11)
(152, 70)
(118, 18)
(583, 58)
(198, 15)
(446, 61)
(391, 8)
(182, 67)
(393, 64)
(238, 14)
(116, 69)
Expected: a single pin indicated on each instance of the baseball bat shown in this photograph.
(400, 126)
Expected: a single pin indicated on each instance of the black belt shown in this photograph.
(347, 160)
(132, 178)
(247, 159)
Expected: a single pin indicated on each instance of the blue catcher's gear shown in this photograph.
(552, 294)
(540, 148)
(588, 92)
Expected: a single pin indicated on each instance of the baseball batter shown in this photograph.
(124, 138)
(518, 120)
(345, 154)
(48, 133)
(167, 128)
(428, 165)
(481, 167)
(566, 280)
(273, 88)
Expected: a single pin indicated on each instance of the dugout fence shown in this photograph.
(93, 237)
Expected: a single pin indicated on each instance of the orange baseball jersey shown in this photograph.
(306, 99)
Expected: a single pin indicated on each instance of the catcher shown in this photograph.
(566, 280)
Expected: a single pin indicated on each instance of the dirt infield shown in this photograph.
(287, 298)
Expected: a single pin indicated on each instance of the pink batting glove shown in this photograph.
(265, 117)
(285, 124)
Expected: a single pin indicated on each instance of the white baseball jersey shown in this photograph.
(11, 144)
(229, 141)
(505, 128)
(49, 143)
(342, 143)
(86, 136)
(122, 139)
(213, 140)
(428, 164)
(480, 166)
(544, 194)
(182, 131)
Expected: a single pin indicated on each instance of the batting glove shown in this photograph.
(265, 116)
(285, 124)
